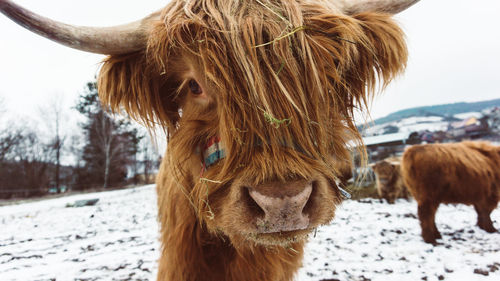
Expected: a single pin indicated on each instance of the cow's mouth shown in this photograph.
(283, 238)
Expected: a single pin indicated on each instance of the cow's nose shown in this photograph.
(283, 205)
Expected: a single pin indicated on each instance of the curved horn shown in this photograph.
(112, 40)
(386, 6)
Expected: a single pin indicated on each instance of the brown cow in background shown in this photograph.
(267, 90)
(388, 179)
(467, 173)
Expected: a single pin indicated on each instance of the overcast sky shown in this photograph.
(454, 48)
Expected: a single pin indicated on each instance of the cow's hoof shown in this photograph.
(490, 229)
(430, 241)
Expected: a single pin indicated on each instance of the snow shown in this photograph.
(468, 115)
(117, 239)
(409, 125)
(417, 124)
(379, 241)
(382, 139)
(420, 119)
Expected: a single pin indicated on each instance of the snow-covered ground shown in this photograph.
(117, 240)
(467, 115)
(409, 124)
(114, 240)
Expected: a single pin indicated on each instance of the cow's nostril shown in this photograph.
(308, 208)
(253, 207)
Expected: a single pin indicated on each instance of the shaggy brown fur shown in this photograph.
(388, 179)
(279, 82)
(466, 173)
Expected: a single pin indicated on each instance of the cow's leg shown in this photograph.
(406, 193)
(426, 214)
(483, 216)
(391, 197)
(382, 195)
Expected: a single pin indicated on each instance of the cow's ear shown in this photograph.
(128, 82)
(382, 52)
(356, 53)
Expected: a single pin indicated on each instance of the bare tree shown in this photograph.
(149, 160)
(25, 172)
(8, 140)
(53, 114)
(34, 156)
(9, 137)
(106, 136)
(25, 159)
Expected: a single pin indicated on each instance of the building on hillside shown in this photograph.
(383, 146)
(470, 128)
(378, 148)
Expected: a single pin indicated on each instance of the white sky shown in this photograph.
(454, 48)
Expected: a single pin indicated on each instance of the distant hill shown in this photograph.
(445, 110)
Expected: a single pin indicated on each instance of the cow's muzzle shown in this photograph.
(281, 205)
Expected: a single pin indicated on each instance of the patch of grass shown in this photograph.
(275, 121)
(205, 181)
(237, 132)
(281, 68)
(299, 28)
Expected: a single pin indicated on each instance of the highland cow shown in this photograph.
(389, 182)
(466, 173)
(257, 98)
